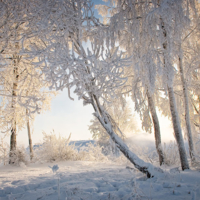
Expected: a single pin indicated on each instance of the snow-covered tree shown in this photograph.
(14, 116)
(186, 65)
(161, 24)
(57, 31)
(23, 90)
(121, 114)
(124, 122)
(126, 27)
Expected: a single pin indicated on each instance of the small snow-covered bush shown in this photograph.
(171, 153)
(55, 148)
(92, 153)
(149, 154)
(109, 148)
(19, 156)
(144, 153)
(197, 149)
(4, 152)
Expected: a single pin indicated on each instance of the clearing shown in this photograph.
(86, 180)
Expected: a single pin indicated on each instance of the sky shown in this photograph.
(67, 116)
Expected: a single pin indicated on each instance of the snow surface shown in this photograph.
(86, 180)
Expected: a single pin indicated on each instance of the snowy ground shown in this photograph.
(85, 180)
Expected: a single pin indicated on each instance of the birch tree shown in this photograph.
(22, 86)
(189, 67)
(128, 30)
(145, 106)
(162, 23)
(15, 115)
(57, 31)
(167, 64)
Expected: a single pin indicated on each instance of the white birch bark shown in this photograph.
(156, 128)
(173, 108)
(177, 129)
(139, 164)
(29, 136)
(13, 141)
(187, 112)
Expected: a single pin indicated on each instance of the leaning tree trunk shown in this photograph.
(13, 141)
(156, 128)
(187, 112)
(29, 136)
(103, 118)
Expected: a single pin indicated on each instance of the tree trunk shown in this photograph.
(29, 136)
(199, 114)
(187, 112)
(13, 141)
(177, 129)
(173, 109)
(142, 166)
(156, 128)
